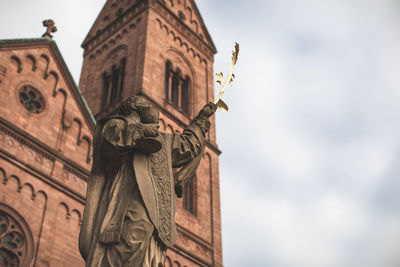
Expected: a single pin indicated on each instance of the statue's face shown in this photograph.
(138, 104)
(149, 115)
(133, 104)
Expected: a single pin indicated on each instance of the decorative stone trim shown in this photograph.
(75, 172)
(24, 142)
(91, 44)
(183, 29)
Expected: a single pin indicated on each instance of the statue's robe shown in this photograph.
(129, 217)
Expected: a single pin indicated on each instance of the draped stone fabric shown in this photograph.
(129, 217)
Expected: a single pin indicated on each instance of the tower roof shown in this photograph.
(116, 12)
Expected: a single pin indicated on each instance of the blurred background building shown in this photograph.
(159, 49)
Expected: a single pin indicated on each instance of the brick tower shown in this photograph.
(162, 50)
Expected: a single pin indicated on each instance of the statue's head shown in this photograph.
(138, 104)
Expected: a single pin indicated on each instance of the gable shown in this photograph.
(188, 13)
(103, 18)
(111, 11)
(39, 98)
(185, 10)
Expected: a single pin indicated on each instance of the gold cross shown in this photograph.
(49, 23)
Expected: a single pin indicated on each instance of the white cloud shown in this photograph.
(320, 131)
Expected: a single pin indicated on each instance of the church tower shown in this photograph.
(161, 49)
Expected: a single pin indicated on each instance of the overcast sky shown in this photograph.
(311, 146)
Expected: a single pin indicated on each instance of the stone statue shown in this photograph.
(129, 217)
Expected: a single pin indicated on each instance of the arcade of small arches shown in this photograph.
(33, 99)
(170, 263)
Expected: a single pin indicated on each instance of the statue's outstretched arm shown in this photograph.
(189, 144)
(188, 147)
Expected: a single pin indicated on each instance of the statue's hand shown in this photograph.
(150, 142)
(150, 130)
(207, 111)
(139, 131)
(134, 132)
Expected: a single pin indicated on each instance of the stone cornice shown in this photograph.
(194, 237)
(41, 148)
(190, 256)
(42, 176)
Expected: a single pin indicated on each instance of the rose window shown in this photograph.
(31, 99)
(15, 248)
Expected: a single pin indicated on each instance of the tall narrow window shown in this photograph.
(114, 86)
(189, 196)
(113, 83)
(106, 86)
(185, 95)
(168, 68)
(122, 78)
(175, 88)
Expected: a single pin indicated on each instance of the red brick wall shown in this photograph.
(200, 234)
(43, 164)
(127, 38)
(46, 127)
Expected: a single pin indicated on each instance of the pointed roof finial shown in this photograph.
(49, 23)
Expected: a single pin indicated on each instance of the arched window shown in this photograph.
(177, 88)
(106, 86)
(185, 95)
(122, 78)
(113, 83)
(168, 69)
(16, 242)
(190, 196)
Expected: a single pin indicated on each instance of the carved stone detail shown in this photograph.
(175, 22)
(31, 99)
(12, 139)
(3, 71)
(18, 62)
(178, 40)
(160, 174)
(75, 173)
(192, 243)
(91, 43)
(72, 176)
(110, 43)
(49, 23)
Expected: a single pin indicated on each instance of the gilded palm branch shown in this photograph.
(229, 79)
